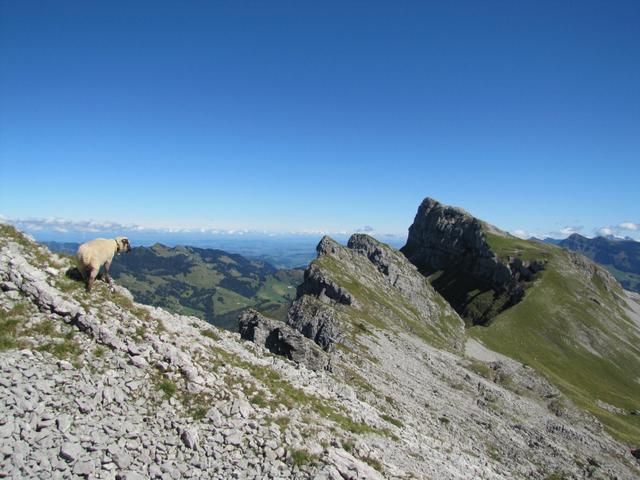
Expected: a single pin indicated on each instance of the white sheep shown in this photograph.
(99, 253)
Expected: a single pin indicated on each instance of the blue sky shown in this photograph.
(321, 116)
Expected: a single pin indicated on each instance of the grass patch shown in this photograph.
(302, 457)
(67, 349)
(139, 333)
(291, 397)
(348, 445)
(282, 422)
(167, 387)
(392, 421)
(373, 463)
(46, 328)
(207, 332)
(481, 368)
(492, 451)
(11, 323)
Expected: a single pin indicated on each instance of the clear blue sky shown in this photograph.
(321, 115)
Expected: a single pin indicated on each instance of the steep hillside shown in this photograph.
(372, 287)
(620, 257)
(213, 285)
(573, 322)
(358, 302)
(96, 385)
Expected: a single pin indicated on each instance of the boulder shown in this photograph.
(280, 339)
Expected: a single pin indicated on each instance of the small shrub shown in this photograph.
(140, 333)
(167, 387)
(283, 422)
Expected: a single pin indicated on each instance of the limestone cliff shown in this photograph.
(451, 246)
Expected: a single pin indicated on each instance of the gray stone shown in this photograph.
(70, 451)
(121, 458)
(234, 439)
(84, 467)
(131, 475)
(63, 422)
(283, 340)
(189, 437)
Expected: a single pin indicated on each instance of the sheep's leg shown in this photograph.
(107, 278)
(91, 275)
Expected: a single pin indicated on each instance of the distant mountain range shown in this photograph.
(620, 256)
(211, 284)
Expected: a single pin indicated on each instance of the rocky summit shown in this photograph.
(371, 376)
(453, 248)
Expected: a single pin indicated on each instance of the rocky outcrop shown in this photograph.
(374, 281)
(280, 339)
(318, 284)
(449, 242)
(314, 320)
(444, 238)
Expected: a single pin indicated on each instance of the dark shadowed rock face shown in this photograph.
(280, 339)
(451, 245)
(444, 238)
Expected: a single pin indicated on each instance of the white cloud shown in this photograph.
(520, 233)
(629, 226)
(606, 231)
(95, 227)
(570, 230)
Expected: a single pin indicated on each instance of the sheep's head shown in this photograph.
(123, 244)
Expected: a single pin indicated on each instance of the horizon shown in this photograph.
(298, 118)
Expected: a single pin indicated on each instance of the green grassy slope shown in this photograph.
(620, 257)
(211, 284)
(572, 326)
(382, 306)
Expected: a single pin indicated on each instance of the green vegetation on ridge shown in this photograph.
(573, 328)
(388, 309)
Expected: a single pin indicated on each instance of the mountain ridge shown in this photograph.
(572, 320)
(620, 256)
(401, 399)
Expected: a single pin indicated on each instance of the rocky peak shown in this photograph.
(450, 244)
(327, 246)
(442, 237)
(354, 276)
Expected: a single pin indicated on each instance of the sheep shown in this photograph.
(99, 253)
